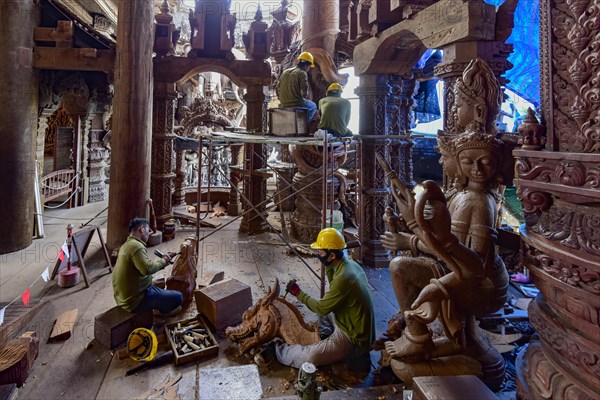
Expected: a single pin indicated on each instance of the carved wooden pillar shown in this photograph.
(234, 206)
(399, 107)
(320, 24)
(559, 188)
(255, 187)
(178, 192)
(163, 115)
(97, 154)
(131, 137)
(19, 105)
(372, 92)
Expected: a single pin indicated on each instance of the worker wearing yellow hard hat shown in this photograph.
(347, 317)
(335, 112)
(292, 89)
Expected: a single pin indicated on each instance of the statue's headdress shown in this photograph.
(478, 85)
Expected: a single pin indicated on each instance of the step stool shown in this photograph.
(288, 121)
(113, 327)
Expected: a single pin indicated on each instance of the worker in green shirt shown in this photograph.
(335, 112)
(292, 88)
(347, 318)
(132, 275)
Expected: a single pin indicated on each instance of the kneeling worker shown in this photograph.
(132, 276)
(347, 318)
(335, 112)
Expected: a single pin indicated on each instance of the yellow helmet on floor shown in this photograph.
(306, 56)
(335, 86)
(142, 344)
(329, 239)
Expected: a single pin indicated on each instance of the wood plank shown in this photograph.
(73, 59)
(63, 327)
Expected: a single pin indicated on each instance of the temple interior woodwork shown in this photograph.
(109, 103)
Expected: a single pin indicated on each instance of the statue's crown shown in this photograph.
(478, 140)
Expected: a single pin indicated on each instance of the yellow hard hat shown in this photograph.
(329, 239)
(306, 56)
(335, 86)
(142, 344)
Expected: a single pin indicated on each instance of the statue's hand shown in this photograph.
(439, 221)
(430, 293)
(395, 241)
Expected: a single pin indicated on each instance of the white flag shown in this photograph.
(65, 249)
(46, 275)
(2, 315)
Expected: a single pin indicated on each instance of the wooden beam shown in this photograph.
(73, 59)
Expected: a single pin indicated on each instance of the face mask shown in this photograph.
(324, 260)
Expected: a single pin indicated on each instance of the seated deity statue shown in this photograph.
(454, 273)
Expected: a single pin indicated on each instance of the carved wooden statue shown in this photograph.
(458, 228)
(184, 274)
(271, 317)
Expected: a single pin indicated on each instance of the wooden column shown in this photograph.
(255, 187)
(19, 104)
(132, 122)
(374, 190)
(559, 186)
(162, 150)
(320, 24)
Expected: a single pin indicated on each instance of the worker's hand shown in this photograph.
(168, 259)
(172, 254)
(293, 288)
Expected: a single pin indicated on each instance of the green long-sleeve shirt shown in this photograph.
(349, 298)
(132, 274)
(335, 115)
(293, 87)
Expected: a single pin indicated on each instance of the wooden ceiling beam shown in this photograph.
(73, 59)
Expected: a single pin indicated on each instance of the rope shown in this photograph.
(64, 202)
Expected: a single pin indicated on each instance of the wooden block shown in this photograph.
(451, 387)
(63, 326)
(224, 302)
(112, 327)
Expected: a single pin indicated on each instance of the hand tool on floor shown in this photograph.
(160, 360)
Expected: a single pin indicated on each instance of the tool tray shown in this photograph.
(209, 347)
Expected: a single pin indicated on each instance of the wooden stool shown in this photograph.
(112, 327)
(223, 303)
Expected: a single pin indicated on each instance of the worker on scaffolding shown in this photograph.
(292, 89)
(347, 318)
(335, 112)
(132, 276)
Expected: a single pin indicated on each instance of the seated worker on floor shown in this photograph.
(292, 88)
(347, 318)
(335, 112)
(132, 275)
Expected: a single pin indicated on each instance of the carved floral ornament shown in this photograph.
(564, 172)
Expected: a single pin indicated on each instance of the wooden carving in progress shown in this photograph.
(458, 229)
(184, 274)
(271, 317)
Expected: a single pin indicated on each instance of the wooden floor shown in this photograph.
(81, 368)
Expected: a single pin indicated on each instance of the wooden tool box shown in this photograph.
(288, 121)
(224, 302)
(210, 349)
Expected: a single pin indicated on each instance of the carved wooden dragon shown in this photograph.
(271, 317)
